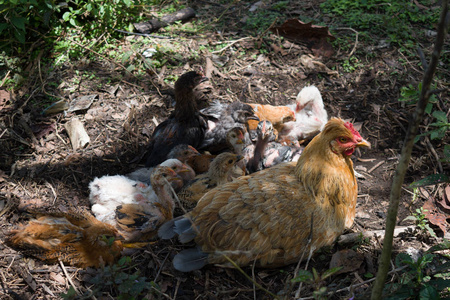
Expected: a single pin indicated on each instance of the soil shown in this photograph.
(39, 168)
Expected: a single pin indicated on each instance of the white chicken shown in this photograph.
(310, 115)
(108, 192)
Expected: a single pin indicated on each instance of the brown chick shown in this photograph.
(76, 238)
(140, 221)
(220, 172)
(274, 216)
(277, 115)
(236, 142)
(184, 126)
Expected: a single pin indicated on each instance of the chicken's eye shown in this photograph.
(343, 140)
(230, 161)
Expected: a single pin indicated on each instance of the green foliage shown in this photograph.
(421, 221)
(352, 64)
(376, 17)
(441, 126)
(261, 19)
(17, 15)
(432, 179)
(418, 281)
(123, 285)
(316, 280)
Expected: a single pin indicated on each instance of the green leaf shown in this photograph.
(3, 26)
(20, 36)
(66, 16)
(19, 22)
(430, 180)
(446, 154)
(330, 272)
(429, 108)
(445, 245)
(428, 293)
(402, 259)
(303, 276)
(440, 116)
(131, 68)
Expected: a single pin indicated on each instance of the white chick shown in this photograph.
(310, 115)
(107, 192)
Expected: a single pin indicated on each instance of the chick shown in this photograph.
(108, 192)
(254, 154)
(220, 172)
(221, 118)
(235, 142)
(182, 152)
(75, 237)
(140, 221)
(183, 170)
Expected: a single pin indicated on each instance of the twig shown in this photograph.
(297, 294)
(376, 166)
(144, 34)
(4, 78)
(356, 38)
(436, 156)
(249, 278)
(232, 43)
(68, 277)
(349, 288)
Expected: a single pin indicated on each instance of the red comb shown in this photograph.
(350, 127)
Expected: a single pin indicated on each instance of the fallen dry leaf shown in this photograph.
(435, 216)
(316, 37)
(4, 97)
(43, 129)
(348, 259)
(445, 201)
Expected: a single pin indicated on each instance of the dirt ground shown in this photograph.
(38, 166)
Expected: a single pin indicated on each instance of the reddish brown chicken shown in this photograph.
(274, 216)
(184, 126)
(76, 238)
(277, 115)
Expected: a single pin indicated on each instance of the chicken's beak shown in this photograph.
(299, 107)
(203, 79)
(363, 143)
(184, 170)
(240, 141)
(239, 158)
(253, 117)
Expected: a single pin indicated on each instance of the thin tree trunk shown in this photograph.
(406, 154)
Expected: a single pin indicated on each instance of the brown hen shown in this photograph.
(274, 216)
(75, 237)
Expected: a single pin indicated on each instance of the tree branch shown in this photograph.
(406, 154)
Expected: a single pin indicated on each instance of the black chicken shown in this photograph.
(221, 119)
(184, 126)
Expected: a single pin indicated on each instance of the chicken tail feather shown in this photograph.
(166, 231)
(189, 260)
